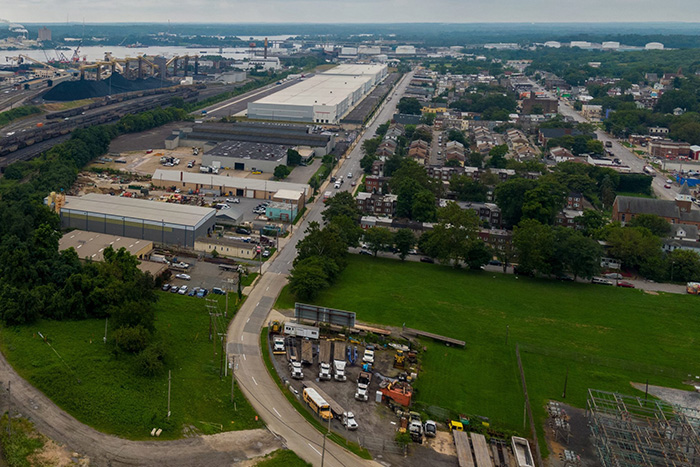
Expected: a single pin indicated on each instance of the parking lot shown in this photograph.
(377, 423)
(205, 275)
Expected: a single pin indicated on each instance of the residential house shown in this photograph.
(574, 201)
(377, 204)
(498, 239)
(489, 213)
(419, 151)
(569, 218)
(682, 237)
(387, 148)
(375, 183)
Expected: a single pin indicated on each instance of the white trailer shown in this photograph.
(301, 330)
(339, 361)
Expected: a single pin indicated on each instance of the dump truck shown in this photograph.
(292, 355)
(363, 382)
(339, 361)
(307, 353)
(324, 359)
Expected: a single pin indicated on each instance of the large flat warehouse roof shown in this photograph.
(131, 208)
(320, 89)
(355, 69)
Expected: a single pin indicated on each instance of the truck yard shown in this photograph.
(368, 401)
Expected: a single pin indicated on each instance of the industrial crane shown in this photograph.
(21, 58)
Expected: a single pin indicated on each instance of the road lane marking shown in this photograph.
(247, 321)
(278, 414)
(256, 383)
(268, 288)
(244, 358)
(241, 338)
(314, 449)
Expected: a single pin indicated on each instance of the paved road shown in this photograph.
(628, 158)
(224, 449)
(243, 341)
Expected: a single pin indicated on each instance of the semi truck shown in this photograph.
(339, 361)
(278, 345)
(301, 330)
(318, 404)
(363, 382)
(294, 363)
(324, 359)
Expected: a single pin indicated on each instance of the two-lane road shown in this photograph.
(243, 339)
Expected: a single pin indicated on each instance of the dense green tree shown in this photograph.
(582, 255)
(423, 207)
(466, 189)
(634, 246)
(409, 105)
(327, 242)
(544, 201)
(308, 278)
(684, 266)
(475, 159)
(404, 240)
(657, 225)
(510, 196)
(378, 239)
(293, 157)
(342, 204)
(535, 244)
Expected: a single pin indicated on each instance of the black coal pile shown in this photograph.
(86, 89)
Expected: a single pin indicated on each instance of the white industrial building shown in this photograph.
(611, 45)
(405, 50)
(654, 46)
(323, 98)
(581, 44)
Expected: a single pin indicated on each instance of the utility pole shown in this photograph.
(566, 380)
(223, 348)
(233, 379)
(169, 371)
(323, 454)
(105, 338)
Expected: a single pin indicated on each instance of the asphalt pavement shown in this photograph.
(243, 337)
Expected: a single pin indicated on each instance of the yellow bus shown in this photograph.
(317, 403)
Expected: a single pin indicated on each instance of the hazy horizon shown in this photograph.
(350, 12)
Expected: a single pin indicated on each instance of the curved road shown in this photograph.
(243, 344)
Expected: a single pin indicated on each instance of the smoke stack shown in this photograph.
(265, 54)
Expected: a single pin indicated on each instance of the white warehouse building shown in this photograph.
(324, 98)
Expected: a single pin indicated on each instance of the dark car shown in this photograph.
(201, 293)
(365, 252)
(192, 292)
(165, 287)
(495, 262)
(242, 230)
(427, 259)
(218, 291)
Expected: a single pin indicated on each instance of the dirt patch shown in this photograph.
(442, 443)
(57, 456)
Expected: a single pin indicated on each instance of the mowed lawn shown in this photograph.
(605, 336)
(106, 393)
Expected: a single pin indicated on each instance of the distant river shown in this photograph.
(98, 53)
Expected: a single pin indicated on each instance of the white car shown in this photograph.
(368, 357)
(182, 265)
(182, 290)
(233, 200)
(183, 276)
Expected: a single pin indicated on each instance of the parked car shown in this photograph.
(173, 289)
(495, 262)
(625, 284)
(242, 231)
(601, 281)
(183, 290)
(368, 357)
(233, 200)
(201, 293)
(667, 186)
(427, 259)
(218, 291)
(181, 265)
(266, 254)
(193, 292)
(165, 287)
(613, 275)
(183, 276)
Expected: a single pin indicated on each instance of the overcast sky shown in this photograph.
(348, 11)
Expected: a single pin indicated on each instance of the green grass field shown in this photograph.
(606, 336)
(110, 396)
